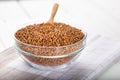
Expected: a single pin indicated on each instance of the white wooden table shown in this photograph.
(98, 16)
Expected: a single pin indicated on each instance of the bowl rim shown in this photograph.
(54, 56)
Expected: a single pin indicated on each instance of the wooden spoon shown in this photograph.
(54, 10)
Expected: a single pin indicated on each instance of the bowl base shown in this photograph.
(48, 68)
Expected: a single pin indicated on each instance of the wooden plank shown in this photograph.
(2, 46)
(9, 73)
(37, 9)
(11, 13)
(12, 16)
(7, 53)
(17, 75)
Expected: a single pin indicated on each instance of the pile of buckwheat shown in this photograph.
(58, 34)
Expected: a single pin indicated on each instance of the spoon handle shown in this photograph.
(54, 10)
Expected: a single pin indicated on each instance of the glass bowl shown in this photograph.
(52, 57)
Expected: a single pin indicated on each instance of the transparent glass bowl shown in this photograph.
(52, 57)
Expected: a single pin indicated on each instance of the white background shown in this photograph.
(97, 16)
